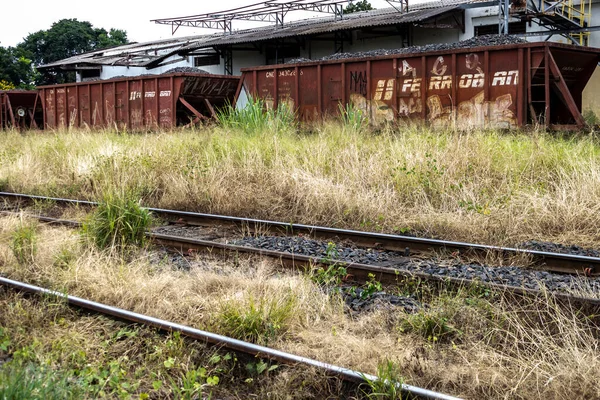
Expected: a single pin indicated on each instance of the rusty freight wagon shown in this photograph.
(495, 86)
(143, 102)
(20, 109)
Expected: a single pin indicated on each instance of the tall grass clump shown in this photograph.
(353, 118)
(259, 320)
(119, 221)
(24, 243)
(32, 381)
(256, 117)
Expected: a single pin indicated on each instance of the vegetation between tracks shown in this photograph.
(470, 343)
(485, 186)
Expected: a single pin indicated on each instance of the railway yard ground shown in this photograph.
(517, 189)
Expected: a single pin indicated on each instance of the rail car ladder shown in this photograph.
(562, 16)
(546, 81)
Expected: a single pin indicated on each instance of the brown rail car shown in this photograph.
(495, 86)
(142, 102)
(19, 109)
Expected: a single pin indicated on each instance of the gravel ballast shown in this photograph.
(478, 41)
(503, 275)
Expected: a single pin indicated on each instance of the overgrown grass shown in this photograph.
(261, 320)
(118, 221)
(488, 344)
(485, 186)
(24, 242)
(256, 118)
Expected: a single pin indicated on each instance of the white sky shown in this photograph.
(20, 19)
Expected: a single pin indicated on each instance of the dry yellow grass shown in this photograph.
(485, 186)
(495, 349)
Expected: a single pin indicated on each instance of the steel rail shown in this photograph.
(556, 262)
(359, 271)
(213, 338)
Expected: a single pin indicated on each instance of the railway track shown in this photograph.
(358, 271)
(554, 262)
(215, 339)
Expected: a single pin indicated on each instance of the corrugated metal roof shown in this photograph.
(143, 54)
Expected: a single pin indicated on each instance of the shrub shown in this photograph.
(119, 221)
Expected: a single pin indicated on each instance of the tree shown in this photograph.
(16, 70)
(362, 5)
(67, 38)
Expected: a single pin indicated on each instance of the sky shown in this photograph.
(132, 16)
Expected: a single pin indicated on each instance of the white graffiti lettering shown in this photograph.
(440, 82)
(502, 78)
(165, 93)
(414, 84)
(150, 94)
(439, 68)
(406, 69)
(471, 81)
(134, 95)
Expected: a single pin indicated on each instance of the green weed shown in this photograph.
(24, 243)
(388, 384)
(260, 320)
(353, 118)
(431, 325)
(119, 221)
(256, 117)
(35, 382)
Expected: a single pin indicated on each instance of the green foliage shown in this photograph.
(257, 118)
(118, 221)
(335, 272)
(35, 382)
(260, 321)
(591, 118)
(371, 287)
(64, 39)
(388, 384)
(432, 325)
(24, 243)
(16, 69)
(361, 5)
(353, 118)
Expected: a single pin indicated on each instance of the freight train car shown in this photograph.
(20, 109)
(133, 103)
(504, 86)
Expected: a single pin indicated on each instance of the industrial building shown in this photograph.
(400, 25)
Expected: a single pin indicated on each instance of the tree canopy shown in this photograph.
(362, 5)
(64, 39)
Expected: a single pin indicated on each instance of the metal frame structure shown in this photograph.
(270, 11)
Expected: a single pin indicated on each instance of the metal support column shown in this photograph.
(503, 14)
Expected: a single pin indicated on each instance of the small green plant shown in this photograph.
(119, 221)
(259, 321)
(388, 384)
(256, 117)
(371, 287)
(431, 325)
(24, 243)
(353, 118)
(31, 381)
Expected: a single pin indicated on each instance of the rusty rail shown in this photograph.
(213, 338)
(360, 272)
(556, 262)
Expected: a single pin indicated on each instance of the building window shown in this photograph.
(89, 74)
(513, 28)
(281, 54)
(208, 59)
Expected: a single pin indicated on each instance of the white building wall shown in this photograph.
(240, 60)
